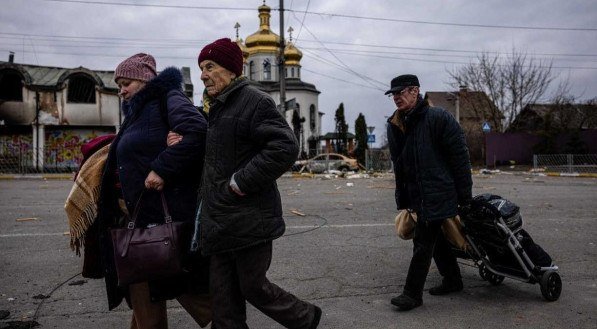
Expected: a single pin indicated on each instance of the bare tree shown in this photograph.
(511, 82)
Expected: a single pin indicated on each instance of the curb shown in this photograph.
(562, 174)
(40, 177)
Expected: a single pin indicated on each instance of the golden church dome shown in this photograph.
(263, 40)
(292, 55)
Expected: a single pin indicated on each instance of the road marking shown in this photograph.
(340, 226)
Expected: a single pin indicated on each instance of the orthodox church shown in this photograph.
(260, 52)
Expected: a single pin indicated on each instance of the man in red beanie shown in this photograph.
(249, 145)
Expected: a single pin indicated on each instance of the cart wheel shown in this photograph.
(495, 279)
(483, 271)
(489, 276)
(551, 285)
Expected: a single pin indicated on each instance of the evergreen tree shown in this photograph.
(360, 131)
(341, 130)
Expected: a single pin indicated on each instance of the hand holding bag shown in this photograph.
(145, 254)
(405, 224)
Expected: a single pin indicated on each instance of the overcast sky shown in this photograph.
(351, 49)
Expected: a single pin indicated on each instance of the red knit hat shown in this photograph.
(226, 53)
(137, 67)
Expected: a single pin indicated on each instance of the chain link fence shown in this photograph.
(378, 160)
(23, 159)
(565, 163)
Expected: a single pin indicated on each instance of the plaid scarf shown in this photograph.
(208, 100)
(81, 203)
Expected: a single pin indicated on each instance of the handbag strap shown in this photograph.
(197, 232)
(167, 217)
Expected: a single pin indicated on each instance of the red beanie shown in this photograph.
(226, 53)
(137, 67)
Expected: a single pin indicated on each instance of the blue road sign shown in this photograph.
(486, 127)
(370, 138)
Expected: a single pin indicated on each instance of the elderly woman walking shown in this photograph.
(140, 166)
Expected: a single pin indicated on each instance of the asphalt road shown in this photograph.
(343, 256)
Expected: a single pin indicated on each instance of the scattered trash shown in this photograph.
(296, 212)
(295, 192)
(25, 219)
(77, 283)
(338, 187)
(66, 233)
(350, 184)
(489, 172)
(10, 299)
(41, 296)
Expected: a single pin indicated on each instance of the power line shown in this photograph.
(520, 27)
(490, 26)
(199, 42)
(363, 77)
(129, 4)
(338, 79)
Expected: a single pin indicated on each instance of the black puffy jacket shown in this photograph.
(248, 138)
(431, 162)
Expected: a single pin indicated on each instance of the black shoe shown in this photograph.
(446, 287)
(405, 303)
(316, 318)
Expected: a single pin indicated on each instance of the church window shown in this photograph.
(267, 69)
(312, 116)
(252, 70)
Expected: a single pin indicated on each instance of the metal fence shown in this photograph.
(378, 160)
(565, 163)
(23, 159)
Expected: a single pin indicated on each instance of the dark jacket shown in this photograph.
(249, 138)
(431, 162)
(139, 147)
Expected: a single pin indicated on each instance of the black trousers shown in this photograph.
(429, 242)
(239, 276)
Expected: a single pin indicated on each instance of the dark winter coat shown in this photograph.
(249, 138)
(139, 147)
(431, 162)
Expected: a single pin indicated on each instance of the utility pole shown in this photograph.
(281, 68)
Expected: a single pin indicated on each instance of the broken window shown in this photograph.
(81, 89)
(11, 86)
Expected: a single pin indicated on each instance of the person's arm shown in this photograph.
(453, 144)
(186, 121)
(278, 149)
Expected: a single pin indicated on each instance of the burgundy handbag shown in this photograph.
(146, 254)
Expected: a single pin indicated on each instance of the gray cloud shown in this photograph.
(176, 35)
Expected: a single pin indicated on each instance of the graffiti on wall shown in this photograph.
(63, 147)
(14, 145)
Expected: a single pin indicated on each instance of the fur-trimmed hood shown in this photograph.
(169, 79)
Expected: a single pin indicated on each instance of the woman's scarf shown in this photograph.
(81, 203)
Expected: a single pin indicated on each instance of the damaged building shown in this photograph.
(47, 113)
